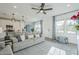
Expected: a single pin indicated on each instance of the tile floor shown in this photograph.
(44, 47)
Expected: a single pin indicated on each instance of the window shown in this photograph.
(38, 27)
(59, 26)
(70, 26)
(65, 27)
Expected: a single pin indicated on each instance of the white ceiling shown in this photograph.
(24, 9)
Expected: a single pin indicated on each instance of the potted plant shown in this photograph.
(77, 27)
(32, 29)
(76, 19)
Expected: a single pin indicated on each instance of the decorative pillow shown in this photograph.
(30, 36)
(14, 39)
(22, 37)
(1, 39)
(2, 35)
(18, 38)
(37, 35)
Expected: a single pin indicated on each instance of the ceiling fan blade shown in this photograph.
(35, 8)
(38, 11)
(44, 12)
(48, 9)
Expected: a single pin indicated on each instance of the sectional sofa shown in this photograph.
(27, 43)
(17, 46)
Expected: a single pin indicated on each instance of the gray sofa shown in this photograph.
(6, 51)
(17, 46)
(27, 43)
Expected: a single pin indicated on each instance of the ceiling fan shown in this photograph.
(42, 9)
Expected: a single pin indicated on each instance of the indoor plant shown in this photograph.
(76, 18)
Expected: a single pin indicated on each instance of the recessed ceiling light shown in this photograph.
(14, 6)
(68, 5)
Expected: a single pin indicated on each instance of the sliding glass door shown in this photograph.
(66, 28)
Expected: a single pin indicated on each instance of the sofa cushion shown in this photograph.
(15, 40)
(2, 35)
(37, 35)
(2, 45)
(30, 36)
(1, 39)
(19, 38)
(22, 37)
(6, 51)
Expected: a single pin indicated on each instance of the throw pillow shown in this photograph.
(30, 36)
(22, 37)
(19, 38)
(15, 40)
